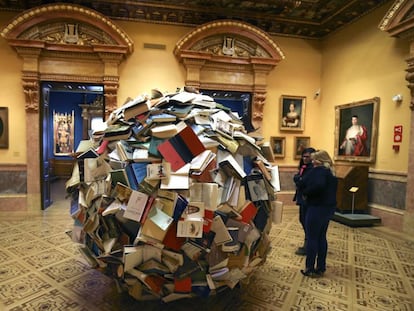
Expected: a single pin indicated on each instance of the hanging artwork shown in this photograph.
(63, 132)
(4, 127)
(356, 131)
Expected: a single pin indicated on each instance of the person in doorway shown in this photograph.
(319, 188)
(355, 139)
(305, 164)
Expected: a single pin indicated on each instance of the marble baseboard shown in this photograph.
(13, 203)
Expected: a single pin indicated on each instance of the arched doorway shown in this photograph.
(63, 43)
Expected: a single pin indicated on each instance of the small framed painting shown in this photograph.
(300, 144)
(278, 146)
(292, 113)
(4, 127)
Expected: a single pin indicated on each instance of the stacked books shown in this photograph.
(176, 208)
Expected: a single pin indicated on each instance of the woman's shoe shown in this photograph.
(308, 272)
(301, 251)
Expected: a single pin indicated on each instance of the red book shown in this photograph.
(102, 147)
(147, 209)
(155, 282)
(171, 155)
(248, 212)
(182, 285)
(181, 148)
(191, 140)
(208, 220)
(171, 240)
(205, 175)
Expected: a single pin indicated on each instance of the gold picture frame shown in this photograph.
(292, 113)
(4, 127)
(356, 131)
(278, 145)
(300, 143)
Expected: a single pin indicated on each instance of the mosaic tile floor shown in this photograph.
(368, 269)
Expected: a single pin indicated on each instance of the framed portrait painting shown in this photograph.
(356, 130)
(292, 113)
(278, 146)
(300, 144)
(4, 127)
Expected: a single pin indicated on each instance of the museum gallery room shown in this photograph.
(157, 155)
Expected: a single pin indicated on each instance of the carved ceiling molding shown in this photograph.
(230, 56)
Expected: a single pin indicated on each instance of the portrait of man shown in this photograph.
(355, 139)
(356, 130)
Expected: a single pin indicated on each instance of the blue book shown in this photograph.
(133, 184)
(180, 206)
(137, 171)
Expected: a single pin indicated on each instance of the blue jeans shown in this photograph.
(316, 225)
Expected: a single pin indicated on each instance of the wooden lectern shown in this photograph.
(352, 176)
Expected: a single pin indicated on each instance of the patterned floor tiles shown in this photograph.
(368, 268)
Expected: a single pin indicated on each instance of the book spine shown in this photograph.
(182, 148)
(191, 140)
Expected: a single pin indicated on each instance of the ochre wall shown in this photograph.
(12, 97)
(361, 62)
(356, 63)
(298, 75)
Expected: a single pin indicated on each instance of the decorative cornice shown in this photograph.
(22, 24)
(230, 28)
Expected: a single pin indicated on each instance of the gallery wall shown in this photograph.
(355, 63)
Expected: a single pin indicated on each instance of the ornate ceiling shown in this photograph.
(314, 19)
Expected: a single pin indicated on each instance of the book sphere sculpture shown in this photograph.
(172, 197)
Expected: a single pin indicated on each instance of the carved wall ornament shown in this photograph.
(71, 33)
(230, 56)
(228, 46)
(31, 93)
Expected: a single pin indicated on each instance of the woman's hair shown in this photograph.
(322, 157)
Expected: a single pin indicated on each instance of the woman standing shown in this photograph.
(305, 164)
(319, 191)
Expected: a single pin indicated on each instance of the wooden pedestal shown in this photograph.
(352, 176)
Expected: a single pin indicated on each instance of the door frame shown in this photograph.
(92, 58)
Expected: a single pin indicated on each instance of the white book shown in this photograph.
(207, 193)
(191, 228)
(157, 171)
(136, 205)
(222, 234)
(133, 256)
(159, 218)
(194, 210)
(177, 180)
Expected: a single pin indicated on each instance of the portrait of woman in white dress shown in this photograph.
(292, 113)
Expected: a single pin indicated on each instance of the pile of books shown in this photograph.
(172, 197)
